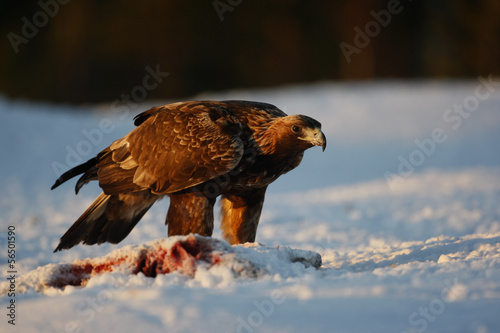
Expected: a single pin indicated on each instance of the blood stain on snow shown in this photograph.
(182, 256)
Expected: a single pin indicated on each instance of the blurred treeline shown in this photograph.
(86, 51)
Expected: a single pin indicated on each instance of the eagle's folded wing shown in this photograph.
(174, 148)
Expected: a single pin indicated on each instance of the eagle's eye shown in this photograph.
(296, 129)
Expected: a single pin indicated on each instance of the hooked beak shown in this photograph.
(319, 138)
(314, 137)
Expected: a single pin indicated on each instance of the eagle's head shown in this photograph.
(299, 132)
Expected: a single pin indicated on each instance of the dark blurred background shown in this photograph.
(77, 51)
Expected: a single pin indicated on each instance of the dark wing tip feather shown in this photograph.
(58, 248)
(244, 103)
(58, 182)
(142, 117)
(79, 169)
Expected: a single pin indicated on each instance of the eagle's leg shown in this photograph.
(241, 214)
(190, 212)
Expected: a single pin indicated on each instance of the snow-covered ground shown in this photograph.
(403, 206)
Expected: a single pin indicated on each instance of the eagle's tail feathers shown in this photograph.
(110, 218)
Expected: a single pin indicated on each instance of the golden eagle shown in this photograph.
(192, 152)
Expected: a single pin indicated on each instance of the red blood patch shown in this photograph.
(182, 256)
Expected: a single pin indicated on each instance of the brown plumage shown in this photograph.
(192, 152)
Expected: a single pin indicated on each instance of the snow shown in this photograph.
(210, 262)
(403, 207)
